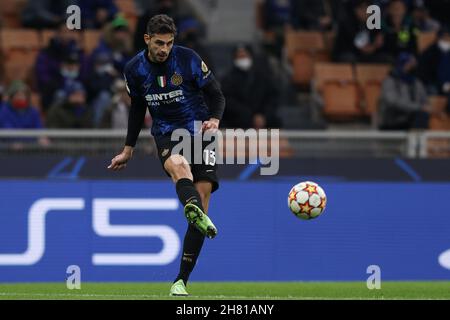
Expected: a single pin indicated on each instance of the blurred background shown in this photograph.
(364, 113)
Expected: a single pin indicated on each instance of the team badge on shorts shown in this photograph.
(176, 79)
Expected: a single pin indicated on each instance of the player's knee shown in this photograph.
(178, 167)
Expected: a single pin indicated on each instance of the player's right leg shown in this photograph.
(180, 171)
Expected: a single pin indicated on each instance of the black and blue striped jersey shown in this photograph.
(170, 90)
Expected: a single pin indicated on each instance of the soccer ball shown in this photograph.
(307, 200)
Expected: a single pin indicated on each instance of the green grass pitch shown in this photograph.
(229, 290)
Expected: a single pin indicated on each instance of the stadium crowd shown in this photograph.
(74, 79)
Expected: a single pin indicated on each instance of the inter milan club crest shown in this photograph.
(176, 79)
(162, 81)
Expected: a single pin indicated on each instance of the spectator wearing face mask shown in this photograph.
(434, 65)
(99, 84)
(403, 100)
(250, 92)
(69, 71)
(62, 48)
(72, 112)
(17, 112)
(116, 115)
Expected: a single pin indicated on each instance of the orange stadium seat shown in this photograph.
(439, 119)
(336, 83)
(91, 39)
(303, 66)
(311, 41)
(48, 34)
(369, 78)
(20, 48)
(332, 72)
(424, 40)
(10, 13)
(304, 49)
(22, 39)
(19, 66)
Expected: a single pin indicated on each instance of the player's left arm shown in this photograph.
(206, 81)
(216, 104)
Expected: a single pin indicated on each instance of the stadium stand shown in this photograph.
(19, 48)
(336, 83)
(369, 78)
(304, 49)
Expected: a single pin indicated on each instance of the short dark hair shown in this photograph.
(161, 24)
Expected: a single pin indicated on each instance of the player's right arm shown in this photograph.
(135, 121)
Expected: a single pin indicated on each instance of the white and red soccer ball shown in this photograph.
(307, 200)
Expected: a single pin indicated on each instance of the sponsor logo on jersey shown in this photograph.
(176, 79)
(162, 81)
(163, 96)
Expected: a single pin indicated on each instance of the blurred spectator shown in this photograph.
(72, 112)
(116, 43)
(49, 61)
(439, 9)
(178, 10)
(434, 65)
(17, 112)
(69, 71)
(403, 100)
(116, 115)
(354, 42)
(45, 14)
(422, 20)
(99, 84)
(398, 31)
(274, 17)
(189, 35)
(97, 13)
(251, 94)
(314, 14)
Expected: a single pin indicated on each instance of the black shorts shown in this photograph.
(204, 171)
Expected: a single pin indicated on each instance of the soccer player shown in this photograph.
(173, 83)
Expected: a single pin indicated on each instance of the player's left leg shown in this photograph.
(193, 239)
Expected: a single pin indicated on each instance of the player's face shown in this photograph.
(159, 46)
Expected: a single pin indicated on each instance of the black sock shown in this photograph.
(192, 245)
(187, 193)
(193, 240)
